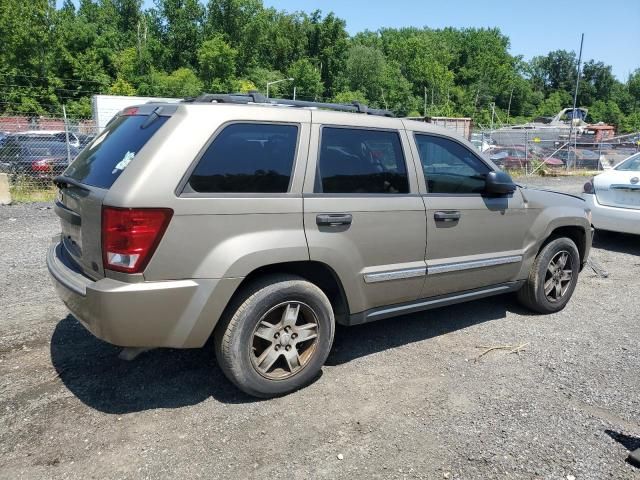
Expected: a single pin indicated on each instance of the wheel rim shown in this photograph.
(284, 340)
(558, 277)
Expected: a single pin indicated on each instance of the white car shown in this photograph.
(614, 197)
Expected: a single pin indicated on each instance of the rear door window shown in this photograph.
(361, 161)
(102, 162)
(247, 158)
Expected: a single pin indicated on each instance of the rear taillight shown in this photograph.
(131, 235)
(588, 187)
(41, 165)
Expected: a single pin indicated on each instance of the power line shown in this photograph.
(49, 78)
(29, 87)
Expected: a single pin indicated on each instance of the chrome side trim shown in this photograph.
(423, 304)
(388, 312)
(632, 188)
(395, 275)
(456, 267)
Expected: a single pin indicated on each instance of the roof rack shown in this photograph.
(255, 97)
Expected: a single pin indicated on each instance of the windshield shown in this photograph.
(102, 162)
(631, 163)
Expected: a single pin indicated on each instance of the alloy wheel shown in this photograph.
(558, 276)
(284, 340)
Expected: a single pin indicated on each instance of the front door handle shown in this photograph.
(333, 219)
(447, 216)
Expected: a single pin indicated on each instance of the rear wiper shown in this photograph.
(153, 116)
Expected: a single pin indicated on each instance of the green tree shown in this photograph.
(179, 24)
(554, 103)
(229, 18)
(555, 71)
(217, 60)
(122, 87)
(349, 96)
(307, 80)
(181, 83)
(363, 72)
(597, 82)
(607, 112)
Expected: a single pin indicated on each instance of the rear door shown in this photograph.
(85, 183)
(362, 212)
(473, 240)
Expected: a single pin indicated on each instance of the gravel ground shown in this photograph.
(402, 398)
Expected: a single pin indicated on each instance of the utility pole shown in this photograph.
(575, 102)
(493, 112)
(509, 107)
(425, 102)
(66, 133)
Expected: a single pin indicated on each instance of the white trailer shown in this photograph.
(104, 107)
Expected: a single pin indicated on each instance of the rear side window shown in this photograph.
(247, 158)
(361, 161)
(102, 162)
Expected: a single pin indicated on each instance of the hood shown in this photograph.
(550, 191)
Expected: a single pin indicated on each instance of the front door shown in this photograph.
(473, 240)
(363, 214)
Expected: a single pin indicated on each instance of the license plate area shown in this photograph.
(630, 198)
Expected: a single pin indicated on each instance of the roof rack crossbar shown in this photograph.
(255, 97)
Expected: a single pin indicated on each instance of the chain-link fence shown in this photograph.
(530, 152)
(34, 149)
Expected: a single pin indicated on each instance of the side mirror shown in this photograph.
(499, 183)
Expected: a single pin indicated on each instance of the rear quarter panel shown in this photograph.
(214, 235)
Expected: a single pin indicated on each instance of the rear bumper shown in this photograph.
(615, 219)
(176, 313)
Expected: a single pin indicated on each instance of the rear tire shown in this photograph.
(552, 278)
(276, 336)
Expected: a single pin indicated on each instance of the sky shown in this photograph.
(611, 27)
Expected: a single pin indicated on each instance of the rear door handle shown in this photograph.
(333, 219)
(448, 216)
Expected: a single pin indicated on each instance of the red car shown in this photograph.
(516, 157)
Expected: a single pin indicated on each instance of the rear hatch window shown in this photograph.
(102, 162)
(79, 205)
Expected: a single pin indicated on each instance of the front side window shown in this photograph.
(247, 158)
(450, 167)
(361, 161)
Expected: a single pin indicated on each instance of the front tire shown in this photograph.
(552, 278)
(276, 336)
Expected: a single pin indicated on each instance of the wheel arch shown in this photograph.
(576, 233)
(318, 273)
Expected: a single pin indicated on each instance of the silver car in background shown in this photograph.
(614, 197)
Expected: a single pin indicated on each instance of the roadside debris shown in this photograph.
(597, 268)
(511, 349)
